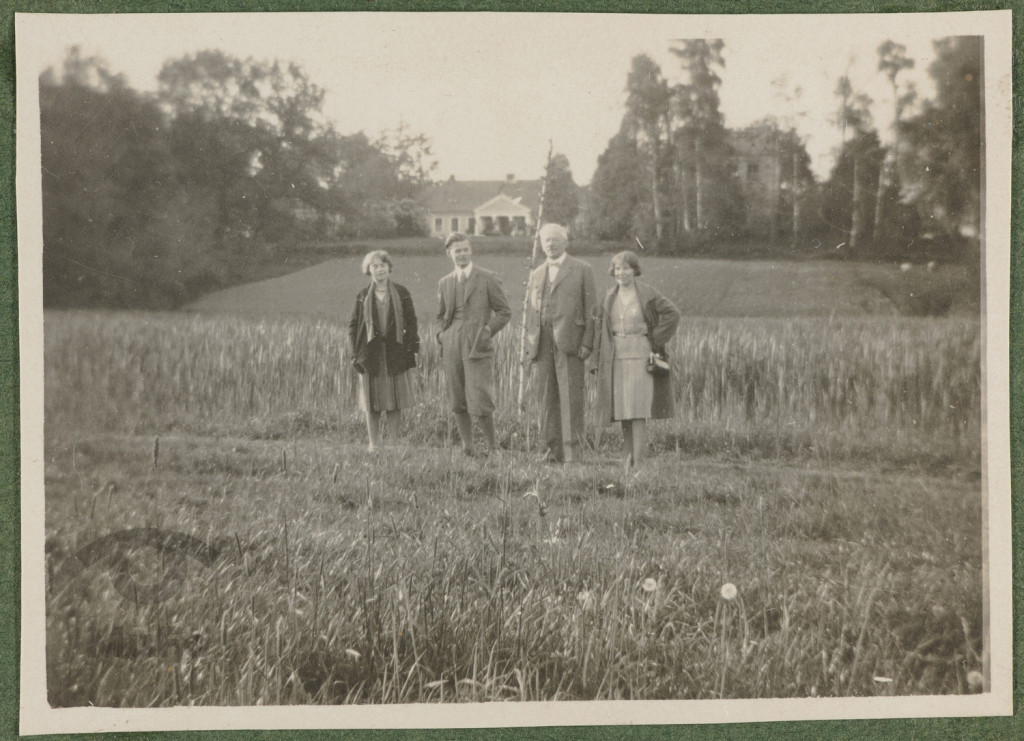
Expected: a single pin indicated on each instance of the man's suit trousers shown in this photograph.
(560, 378)
(469, 381)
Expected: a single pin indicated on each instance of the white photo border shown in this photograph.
(33, 32)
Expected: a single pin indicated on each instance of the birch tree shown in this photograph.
(700, 133)
(892, 59)
(647, 108)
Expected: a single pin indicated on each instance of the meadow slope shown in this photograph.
(700, 287)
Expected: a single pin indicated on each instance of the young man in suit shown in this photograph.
(471, 309)
(560, 336)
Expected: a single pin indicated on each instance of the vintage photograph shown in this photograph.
(513, 369)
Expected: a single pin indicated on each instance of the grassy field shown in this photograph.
(700, 287)
(827, 468)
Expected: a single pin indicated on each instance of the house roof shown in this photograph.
(753, 141)
(466, 195)
(501, 204)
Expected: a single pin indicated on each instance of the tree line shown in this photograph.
(674, 175)
(151, 198)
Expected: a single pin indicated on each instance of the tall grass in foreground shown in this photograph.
(857, 386)
(339, 579)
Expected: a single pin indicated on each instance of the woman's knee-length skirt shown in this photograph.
(632, 385)
(383, 392)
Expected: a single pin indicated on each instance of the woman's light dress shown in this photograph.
(383, 392)
(632, 385)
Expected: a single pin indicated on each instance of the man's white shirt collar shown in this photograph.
(558, 263)
(464, 273)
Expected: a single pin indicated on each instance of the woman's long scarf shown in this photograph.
(396, 307)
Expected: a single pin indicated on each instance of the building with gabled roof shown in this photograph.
(758, 168)
(481, 207)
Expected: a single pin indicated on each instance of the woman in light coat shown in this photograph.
(635, 323)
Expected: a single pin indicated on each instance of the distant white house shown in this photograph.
(481, 207)
(757, 166)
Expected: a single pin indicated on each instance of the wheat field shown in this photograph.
(860, 384)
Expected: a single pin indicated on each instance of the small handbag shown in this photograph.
(657, 364)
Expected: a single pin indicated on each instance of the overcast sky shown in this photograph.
(491, 89)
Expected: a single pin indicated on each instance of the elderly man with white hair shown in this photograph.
(560, 336)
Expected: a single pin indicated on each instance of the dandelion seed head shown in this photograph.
(728, 591)
(975, 680)
(649, 585)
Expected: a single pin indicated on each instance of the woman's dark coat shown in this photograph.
(661, 317)
(400, 351)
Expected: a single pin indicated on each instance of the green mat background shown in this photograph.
(941, 728)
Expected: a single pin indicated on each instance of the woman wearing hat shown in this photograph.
(384, 339)
(634, 383)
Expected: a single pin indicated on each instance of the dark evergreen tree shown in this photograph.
(561, 194)
(618, 188)
(941, 166)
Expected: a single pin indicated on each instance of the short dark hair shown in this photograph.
(627, 257)
(453, 238)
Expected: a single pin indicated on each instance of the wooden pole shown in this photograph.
(521, 396)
